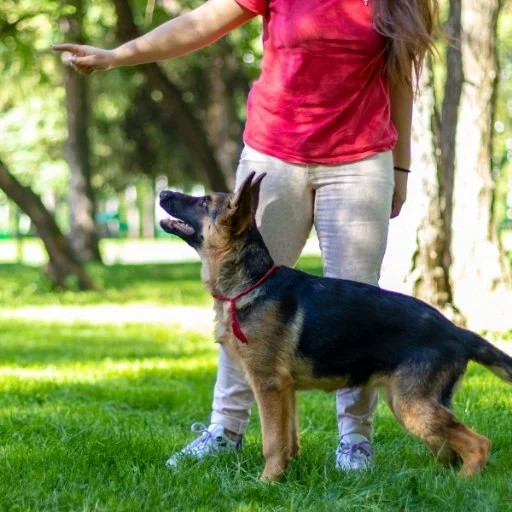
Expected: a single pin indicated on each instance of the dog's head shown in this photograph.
(214, 220)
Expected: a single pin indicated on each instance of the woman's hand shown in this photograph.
(87, 59)
(400, 193)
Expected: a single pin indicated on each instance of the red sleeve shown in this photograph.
(257, 6)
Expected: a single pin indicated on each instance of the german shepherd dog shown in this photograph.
(289, 330)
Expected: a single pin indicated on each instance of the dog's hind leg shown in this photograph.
(474, 449)
(274, 398)
(446, 436)
(443, 453)
(437, 445)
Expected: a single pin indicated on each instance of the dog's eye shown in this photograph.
(204, 203)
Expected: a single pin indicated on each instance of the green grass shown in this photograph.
(89, 414)
(176, 283)
(169, 283)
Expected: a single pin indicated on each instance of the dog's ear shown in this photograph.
(255, 192)
(244, 203)
(242, 199)
(247, 196)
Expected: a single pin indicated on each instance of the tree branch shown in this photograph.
(191, 129)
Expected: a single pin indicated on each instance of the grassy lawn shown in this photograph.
(164, 284)
(175, 283)
(89, 414)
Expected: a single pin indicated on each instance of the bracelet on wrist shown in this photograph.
(401, 169)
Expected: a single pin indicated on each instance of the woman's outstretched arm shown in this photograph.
(179, 36)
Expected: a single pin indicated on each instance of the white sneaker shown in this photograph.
(354, 453)
(211, 440)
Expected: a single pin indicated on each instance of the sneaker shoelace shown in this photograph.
(352, 450)
(204, 438)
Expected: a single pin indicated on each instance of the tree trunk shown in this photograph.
(431, 282)
(444, 129)
(147, 207)
(432, 260)
(478, 263)
(177, 109)
(457, 258)
(418, 235)
(223, 127)
(63, 263)
(83, 235)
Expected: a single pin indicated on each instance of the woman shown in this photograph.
(329, 121)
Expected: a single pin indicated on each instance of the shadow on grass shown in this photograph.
(39, 343)
(64, 443)
(133, 390)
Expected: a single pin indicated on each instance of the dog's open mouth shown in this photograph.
(176, 226)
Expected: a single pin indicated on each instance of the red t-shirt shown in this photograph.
(322, 96)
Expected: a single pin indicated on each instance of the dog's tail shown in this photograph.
(483, 352)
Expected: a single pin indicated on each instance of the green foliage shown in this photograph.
(125, 110)
(32, 119)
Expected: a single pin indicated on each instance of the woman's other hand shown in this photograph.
(400, 193)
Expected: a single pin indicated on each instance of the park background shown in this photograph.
(106, 355)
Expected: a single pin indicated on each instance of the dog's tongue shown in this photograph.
(167, 222)
(177, 225)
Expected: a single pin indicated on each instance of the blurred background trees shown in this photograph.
(97, 150)
(457, 249)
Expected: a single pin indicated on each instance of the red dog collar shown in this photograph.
(235, 324)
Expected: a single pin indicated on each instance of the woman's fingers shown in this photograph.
(396, 206)
(76, 49)
(85, 70)
(79, 66)
(86, 62)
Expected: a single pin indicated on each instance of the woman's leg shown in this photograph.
(352, 209)
(284, 216)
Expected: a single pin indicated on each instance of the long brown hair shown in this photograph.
(409, 27)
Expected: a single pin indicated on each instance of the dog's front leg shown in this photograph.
(293, 441)
(274, 404)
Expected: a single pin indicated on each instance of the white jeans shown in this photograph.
(349, 205)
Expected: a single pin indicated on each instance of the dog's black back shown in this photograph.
(353, 328)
